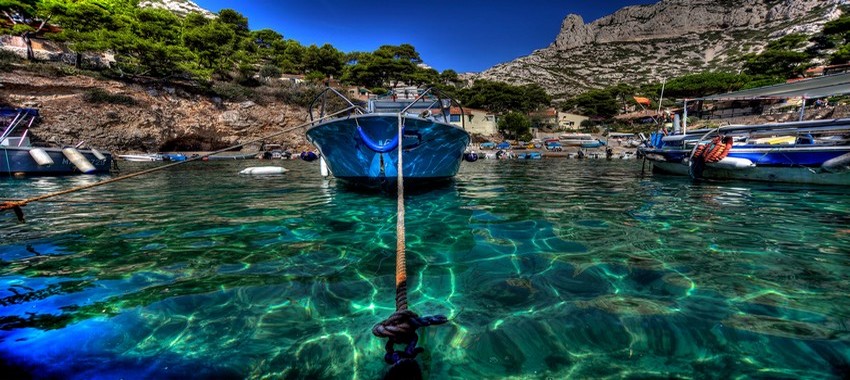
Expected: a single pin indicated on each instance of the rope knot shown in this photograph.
(400, 328)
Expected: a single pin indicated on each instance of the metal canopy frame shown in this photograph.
(815, 88)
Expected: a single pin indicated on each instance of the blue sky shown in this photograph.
(463, 35)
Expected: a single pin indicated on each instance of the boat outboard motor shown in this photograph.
(470, 157)
(309, 156)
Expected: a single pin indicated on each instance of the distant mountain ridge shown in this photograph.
(670, 38)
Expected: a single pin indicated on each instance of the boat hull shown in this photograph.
(432, 150)
(14, 160)
(801, 175)
(799, 164)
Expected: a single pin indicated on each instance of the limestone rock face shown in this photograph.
(670, 38)
(180, 7)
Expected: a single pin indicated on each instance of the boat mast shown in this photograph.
(661, 99)
(685, 119)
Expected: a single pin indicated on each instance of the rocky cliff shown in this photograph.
(147, 118)
(645, 43)
(180, 7)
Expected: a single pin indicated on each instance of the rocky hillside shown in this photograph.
(645, 43)
(145, 118)
(180, 7)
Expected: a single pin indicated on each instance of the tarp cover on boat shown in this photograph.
(814, 88)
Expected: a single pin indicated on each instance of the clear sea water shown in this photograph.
(547, 269)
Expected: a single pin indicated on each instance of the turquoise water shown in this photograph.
(547, 269)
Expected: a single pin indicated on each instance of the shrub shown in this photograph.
(233, 92)
(97, 95)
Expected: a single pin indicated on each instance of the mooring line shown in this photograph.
(16, 205)
(400, 327)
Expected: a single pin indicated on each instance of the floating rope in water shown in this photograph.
(400, 327)
(16, 205)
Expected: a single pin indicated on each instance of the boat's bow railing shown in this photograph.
(441, 97)
(324, 98)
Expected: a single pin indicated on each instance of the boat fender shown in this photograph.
(732, 163)
(323, 167)
(41, 157)
(309, 156)
(78, 160)
(837, 164)
(263, 170)
(97, 154)
(470, 157)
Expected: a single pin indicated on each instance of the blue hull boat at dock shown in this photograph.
(19, 157)
(19, 160)
(362, 149)
(810, 152)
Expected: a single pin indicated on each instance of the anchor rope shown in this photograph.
(400, 327)
(16, 205)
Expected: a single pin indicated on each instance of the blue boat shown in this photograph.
(590, 144)
(361, 147)
(19, 157)
(812, 152)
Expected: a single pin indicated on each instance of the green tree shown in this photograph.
(514, 124)
(783, 63)
(502, 97)
(88, 26)
(598, 103)
(704, 84)
(325, 60)
(780, 58)
(449, 77)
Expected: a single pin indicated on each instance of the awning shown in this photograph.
(642, 100)
(821, 87)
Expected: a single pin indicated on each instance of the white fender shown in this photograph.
(263, 170)
(78, 160)
(97, 154)
(655, 157)
(732, 163)
(837, 164)
(41, 157)
(323, 167)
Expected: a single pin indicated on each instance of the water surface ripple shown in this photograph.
(547, 269)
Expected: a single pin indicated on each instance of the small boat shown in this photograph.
(141, 157)
(575, 139)
(174, 157)
(811, 152)
(361, 147)
(19, 157)
(239, 156)
(592, 144)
